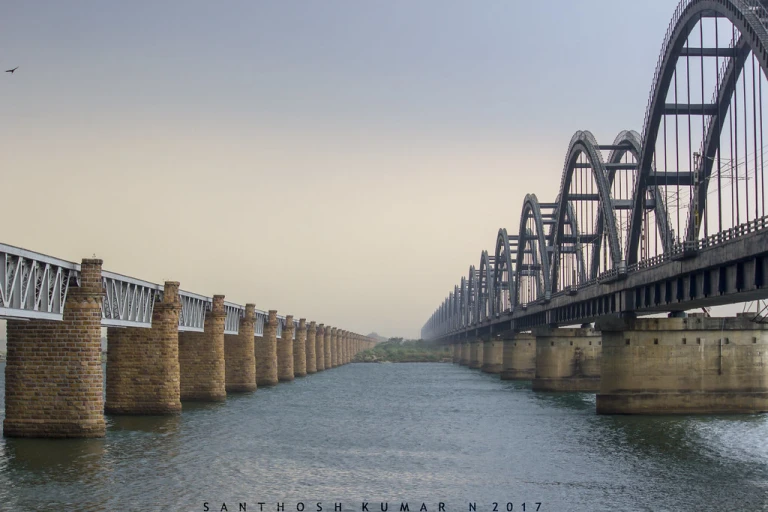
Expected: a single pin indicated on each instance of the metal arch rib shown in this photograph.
(471, 297)
(531, 207)
(571, 219)
(630, 140)
(503, 262)
(743, 14)
(484, 297)
(584, 142)
(715, 127)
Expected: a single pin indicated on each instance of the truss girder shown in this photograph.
(127, 302)
(33, 285)
(234, 313)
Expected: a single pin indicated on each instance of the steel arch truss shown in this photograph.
(693, 179)
(579, 204)
(505, 289)
(534, 250)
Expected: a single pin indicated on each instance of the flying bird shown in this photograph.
(11, 70)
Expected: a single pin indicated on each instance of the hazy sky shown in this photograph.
(343, 161)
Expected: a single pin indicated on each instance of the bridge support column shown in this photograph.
(300, 350)
(346, 347)
(334, 348)
(143, 364)
(456, 348)
(265, 349)
(53, 377)
(327, 348)
(465, 354)
(493, 355)
(519, 357)
(285, 351)
(320, 348)
(201, 358)
(693, 365)
(567, 360)
(310, 348)
(476, 354)
(239, 358)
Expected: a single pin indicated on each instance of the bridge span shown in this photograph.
(665, 220)
(165, 346)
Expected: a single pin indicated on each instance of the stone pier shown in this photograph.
(693, 365)
(345, 348)
(53, 377)
(465, 354)
(327, 347)
(342, 350)
(310, 345)
(266, 352)
(143, 364)
(336, 351)
(201, 358)
(239, 358)
(519, 356)
(300, 350)
(285, 351)
(320, 348)
(476, 354)
(456, 353)
(567, 359)
(493, 355)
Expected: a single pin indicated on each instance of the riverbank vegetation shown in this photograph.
(398, 350)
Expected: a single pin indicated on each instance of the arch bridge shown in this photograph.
(667, 219)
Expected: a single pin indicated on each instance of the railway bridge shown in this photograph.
(666, 220)
(165, 346)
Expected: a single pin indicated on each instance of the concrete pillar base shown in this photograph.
(491, 368)
(683, 365)
(581, 384)
(476, 355)
(682, 403)
(518, 374)
(519, 362)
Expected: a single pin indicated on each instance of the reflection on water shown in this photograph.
(434, 432)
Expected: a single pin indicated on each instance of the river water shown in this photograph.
(395, 433)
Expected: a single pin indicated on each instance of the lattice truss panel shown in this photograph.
(234, 313)
(258, 326)
(193, 308)
(128, 302)
(33, 285)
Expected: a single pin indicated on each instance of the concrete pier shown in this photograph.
(465, 354)
(53, 376)
(456, 350)
(310, 345)
(694, 365)
(300, 350)
(567, 359)
(266, 352)
(476, 354)
(519, 357)
(239, 358)
(143, 364)
(493, 355)
(285, 351)
(201, 358)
